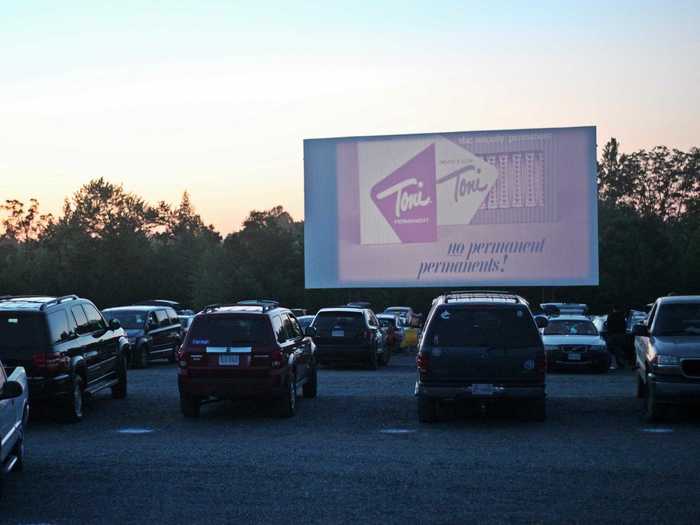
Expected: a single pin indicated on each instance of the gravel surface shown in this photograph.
(358, 454)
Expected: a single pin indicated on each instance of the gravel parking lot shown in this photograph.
(358, 454)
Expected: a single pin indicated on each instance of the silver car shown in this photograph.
(667, 349)
(573, 341)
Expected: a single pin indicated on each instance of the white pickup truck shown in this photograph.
(14, 411)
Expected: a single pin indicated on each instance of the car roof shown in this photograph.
(137, 308)
(386, 316)
(671, 299)
(400, 308)
(570, 318)
(306, 317)
(241, 309)
(34, 303)
(342, 309)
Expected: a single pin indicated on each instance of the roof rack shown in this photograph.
(58, 300)
(483, 294)
(265, 305)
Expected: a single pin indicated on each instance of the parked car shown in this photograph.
(573, 341)
(406, 314)
(480, 347)
(305, 321)
(14, 413)
(185, 323)
(667, 348)
(299, 312)
(154, 332)
(246, 351)
(565, 308)
(167, 303)
(67, 348)
(348, 335)
(393, 332)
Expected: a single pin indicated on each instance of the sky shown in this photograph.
(216, 97)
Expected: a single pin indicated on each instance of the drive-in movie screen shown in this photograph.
(349, 262)
(480, 208)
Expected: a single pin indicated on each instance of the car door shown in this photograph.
(107, 340)
(7, 419)
(87, 346)
(643, 343)
(160, 338)
(297, 344)
(174, 331)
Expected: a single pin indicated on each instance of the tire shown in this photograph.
(190, 406)
(641, 388)
(427, 410)
(536, 410)
(141, 357)
(119, 390)
(374, 360)
(655, 412)
(310, 388)
(287, 405)
(73, 405)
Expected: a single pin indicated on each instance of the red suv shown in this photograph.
(243, 351)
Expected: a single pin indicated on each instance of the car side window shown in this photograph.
(58, 326)
(373, 322)
(3, 379)
(172, 317)
(81, 321)
(95, 319)
(162, 318)
(278, 329)
(292, 327)
(652, 315)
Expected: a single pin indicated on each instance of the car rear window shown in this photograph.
(386, 323)
(218, 330)
(21, 331)
(568, 327)
(483, 326)
(349, 321)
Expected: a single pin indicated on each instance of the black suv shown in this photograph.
(248, 350)
(349, 334)
(481, 347)
(154, 332)
(66, 347)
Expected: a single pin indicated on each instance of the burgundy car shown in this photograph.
(245, 351)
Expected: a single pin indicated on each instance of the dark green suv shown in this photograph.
(481, 348)
(66, 347)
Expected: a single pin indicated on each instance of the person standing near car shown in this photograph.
(616, 335)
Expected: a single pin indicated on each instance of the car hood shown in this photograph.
(588, 340)
(134, 332)
(681, 346)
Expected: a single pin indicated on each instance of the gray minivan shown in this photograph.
(481, 347)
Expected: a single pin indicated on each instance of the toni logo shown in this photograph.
(407, 198)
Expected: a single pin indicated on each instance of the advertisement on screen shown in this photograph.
(484, 208)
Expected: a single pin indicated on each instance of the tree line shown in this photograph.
(115, 248)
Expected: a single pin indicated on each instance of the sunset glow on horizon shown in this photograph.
(216, 100)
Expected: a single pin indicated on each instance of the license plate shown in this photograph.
(482, 390)
(574, 356)
(337, 333)
(229, 360)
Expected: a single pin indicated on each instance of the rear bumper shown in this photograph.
(561, 361)
(451, 392)
(270, 387)
(47, 388)
(677, 391)
(342, 354)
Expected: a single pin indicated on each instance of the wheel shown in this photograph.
(73, 405)
(141, 357)
(641, 388)
(374, 360)
(536, 410)
(189, 405)
(427, 410)
(119, 390)
(654, 410)
(286, 406)
(310, 388)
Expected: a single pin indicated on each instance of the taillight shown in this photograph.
(185, 353)
(51, 362)
(422, 362)
(276, 358)
(541, 362)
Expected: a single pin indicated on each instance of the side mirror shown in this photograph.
(641, 330)
(310, 331)
(114, 324)
(11, 390)
(541, 321)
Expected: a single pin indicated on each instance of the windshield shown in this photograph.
(348, 321)
(217, 330)
(562, 327)
(678, 319)
(386, 323)
(129, 320)
(483, 326)
(21, 331)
